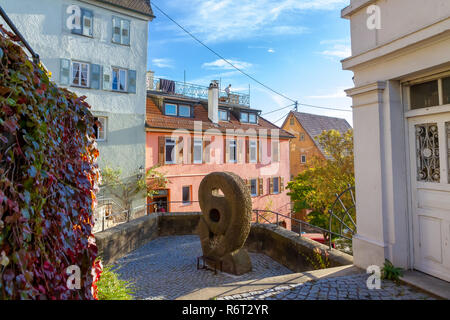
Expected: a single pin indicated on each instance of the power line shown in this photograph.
(282, 117)
(278, 109)
(232, 65)
(308, 105)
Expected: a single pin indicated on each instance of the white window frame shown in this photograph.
(121, 24)
(104, 123)
(87, 31)
(247, 115)
(198, 142)
(183, 106)
(223, 112)
(256, 187)
(170, 142)
(253, 144)
(171, 114)
(303, 156)
(232, 144)
(72, 78)
(256, 118)
(118, 70)
(277, 191)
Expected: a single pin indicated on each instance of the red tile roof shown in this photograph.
(155, 119)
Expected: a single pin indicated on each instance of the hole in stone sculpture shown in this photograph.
(217, 193)
(214, 215)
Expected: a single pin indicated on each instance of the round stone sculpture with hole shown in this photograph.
(225, 223)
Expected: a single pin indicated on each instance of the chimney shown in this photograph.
(213, 101)
(150, 76)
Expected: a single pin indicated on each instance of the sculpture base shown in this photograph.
(237, 263)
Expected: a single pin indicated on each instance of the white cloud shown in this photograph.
(338, 51)
(214, 21)
(220, 64)
(163, 63)
(338, 93)
(271, 50)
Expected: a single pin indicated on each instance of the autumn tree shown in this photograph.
(127, 188)
(315, 189)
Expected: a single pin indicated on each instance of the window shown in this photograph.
(86, 23)
(303, 158)
(247, 117)
(198, 151)
(291, 121)
(233, 150)
(276, 185)
(121, 31)
(80, 74)
(275, 151)
(187, 195)
(254, 187)
(253, 151)
(119, 80)
(446, 90)
(184, 111)
(170, 151)
(171, 109)
(100, 128)
(223, 115)
(424, 95)
(302, 137)
(244, 117)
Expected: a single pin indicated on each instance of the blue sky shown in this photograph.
(293, 46)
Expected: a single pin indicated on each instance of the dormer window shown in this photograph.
(178, 110)
(223, 115)
(248, 117)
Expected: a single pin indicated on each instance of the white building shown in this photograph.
(401, 115)
(105, 59)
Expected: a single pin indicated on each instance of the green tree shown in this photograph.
(315, 189)
(126, 189)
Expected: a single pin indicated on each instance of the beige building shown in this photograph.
(401, 116)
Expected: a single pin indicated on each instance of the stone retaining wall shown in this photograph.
(283, 246)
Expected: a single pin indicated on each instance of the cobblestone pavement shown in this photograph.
(341, 288)
(166, 268)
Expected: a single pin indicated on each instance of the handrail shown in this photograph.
(257, 211)
(5, 17)
(201, 92)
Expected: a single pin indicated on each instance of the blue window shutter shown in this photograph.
(87, 29)
(131, 81)
(95, 76)
(125, 32)
(116, 29)
(80, 30)
(64, 73)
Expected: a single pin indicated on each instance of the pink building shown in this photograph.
(191, 137)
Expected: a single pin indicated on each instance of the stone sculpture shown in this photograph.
(224, 226)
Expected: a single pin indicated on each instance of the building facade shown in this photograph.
(306, 128)
(191, 137)
(96, 49)
(401, 115)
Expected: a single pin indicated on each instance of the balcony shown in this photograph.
(183, 89)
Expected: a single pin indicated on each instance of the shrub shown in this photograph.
(48, 178)
(390, 272)
(110, 287)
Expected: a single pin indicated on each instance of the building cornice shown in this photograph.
(428, 35)
(376, 86)
(355, 5)
(119, 9)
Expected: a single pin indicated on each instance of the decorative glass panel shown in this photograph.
(427, 153)
(424, 95)
(446, 90)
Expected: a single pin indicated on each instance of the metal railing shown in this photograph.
(5, 17)
(201, 92)
(301, 224)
